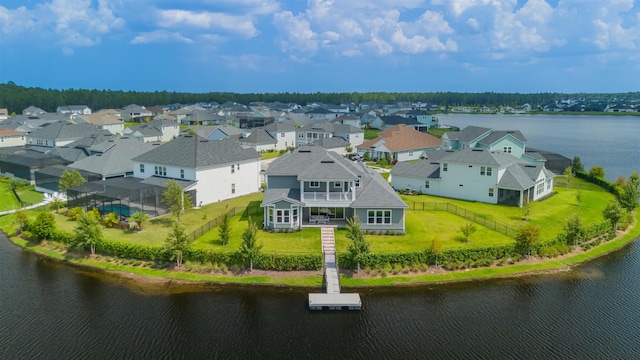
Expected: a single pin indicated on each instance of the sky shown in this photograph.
(257, 46)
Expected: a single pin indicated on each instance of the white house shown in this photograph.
(284, 132)
(325, 129)
(73, 110)
(133, 111)
(508, 141)
(154, 130)
(475, 174)
(213, 170)
(109, 120)
(9, 137)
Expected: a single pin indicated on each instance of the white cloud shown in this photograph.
(207, 20)
(160, 36)
(353, 28)
(71, 23)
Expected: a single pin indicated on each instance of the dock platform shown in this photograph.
(333, 299)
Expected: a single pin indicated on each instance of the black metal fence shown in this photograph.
(245, 211)
(469, 215)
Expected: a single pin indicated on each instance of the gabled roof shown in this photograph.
(468, 134)
(112, 157)
(480, 157)
(332, 142)
(324, 126)
(259, 136)
(61, 130)
(11, 132)
(375, 192)
(280, 126)
(500, 134)
(273, 195)
(516, 177)
(418, 169)
(79, 149)
(195, 152)
(402, 138)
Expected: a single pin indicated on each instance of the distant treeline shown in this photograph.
(16, 98)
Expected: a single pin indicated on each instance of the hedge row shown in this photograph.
(607, 185)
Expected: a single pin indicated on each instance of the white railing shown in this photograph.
(324, 196)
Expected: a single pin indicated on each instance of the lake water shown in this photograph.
(50, 310)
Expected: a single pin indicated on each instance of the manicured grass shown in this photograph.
(370, 134)
(30, 195)
(438, 132)
(8, 201)
(269, 155)
(550, 215)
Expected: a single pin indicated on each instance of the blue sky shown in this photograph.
(322, 45)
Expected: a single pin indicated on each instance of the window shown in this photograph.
(314, 184)
(160, 170)
(294, 215)
(238, 167)
(540, 188)
(301, 135)
(337, 184)
(490, 192)
(270, 214)
(233, 168)
(426, 184)
(379, 217)
(410, 152)
(482, 170)
(549, 184)
(445, 166)
(181, 173)
(489, 171)
(358, 181)
(282, 134)
(282, 216)
(507, 149)
(141, 168)
(233, 188)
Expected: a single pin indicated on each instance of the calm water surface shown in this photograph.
(53, 311)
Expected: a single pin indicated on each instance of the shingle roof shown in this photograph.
(480, 157)
(403, 137)
(332, 142)
(61, 130)
(468, 134)
(258, 136)
(280, 126)
(499, 134)
(274, 195)
(194, 151)
(418, 169)
(515, 177)
(113, 157)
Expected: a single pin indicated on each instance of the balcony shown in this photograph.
(326, 197)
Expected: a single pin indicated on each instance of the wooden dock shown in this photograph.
(333, 299)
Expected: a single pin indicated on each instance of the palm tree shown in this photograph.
(139, 217)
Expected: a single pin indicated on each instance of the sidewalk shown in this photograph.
(44, 202)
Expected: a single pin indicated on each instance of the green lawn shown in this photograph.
(269, 155)
(30, 195)
(8, 201)
(421, 226)
(370, 134)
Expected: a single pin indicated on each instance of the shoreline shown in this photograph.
(154, 280)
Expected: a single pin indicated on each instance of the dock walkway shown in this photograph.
(332, 299)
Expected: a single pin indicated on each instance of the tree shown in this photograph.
(139, 217)
(597, 172)
(359, 247)
(56, 203)
(22, 219)
(579, 197)
(613, 212)
(629, 195)
(88, 232)
(568, 172)
(177, 242)
(224, 229)
(44, 226)
(573, 230)
(16, 183)
(466, 230)
(70, 179)
(175, 198)
(526, 210)
(436, 247)
(576, 164)
(527, 238)
(249, 248)
(366, 156)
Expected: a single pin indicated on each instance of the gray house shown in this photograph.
(311, 185)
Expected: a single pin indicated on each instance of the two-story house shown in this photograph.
(475, 174)
(213, 170)
(154, 131)
(325, 129)
(135, 112)
(61, 133)
(107, 119)
(284, 132)
(475, 137)
(73, 110)
(10, 137)
(311, 185)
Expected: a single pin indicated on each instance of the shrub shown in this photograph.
(111, 220)
(74, 212)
